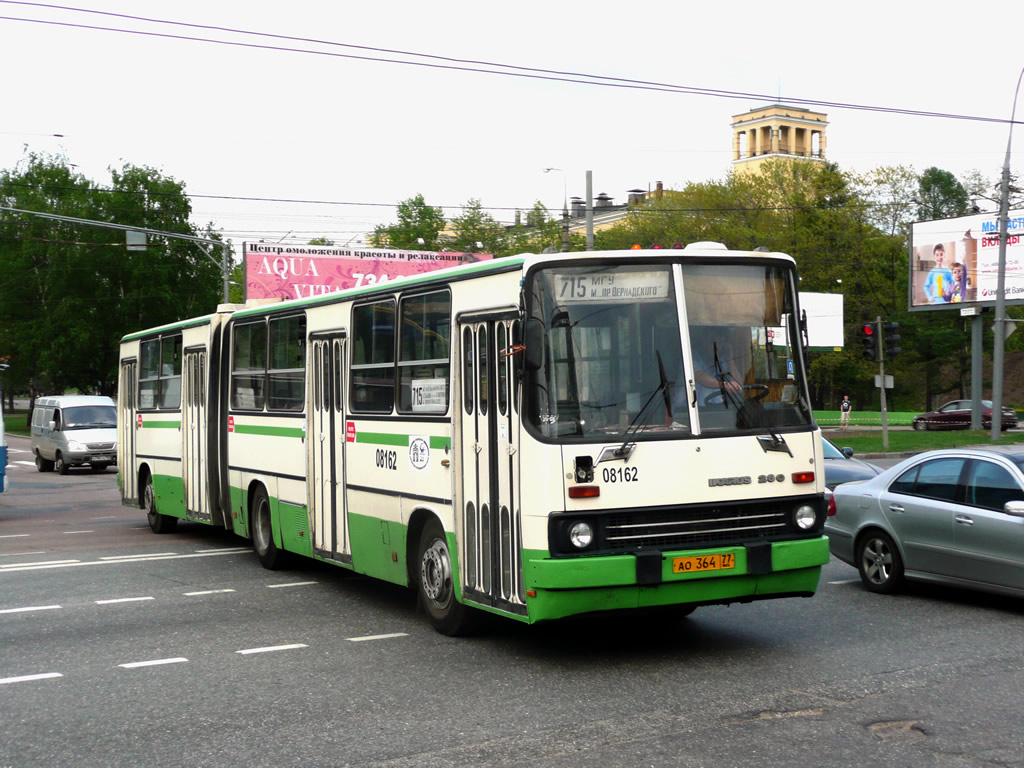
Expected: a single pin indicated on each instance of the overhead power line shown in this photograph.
(451, 63)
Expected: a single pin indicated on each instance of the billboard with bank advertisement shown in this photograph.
(273, 270)
(954, 262)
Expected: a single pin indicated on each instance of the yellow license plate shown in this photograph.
(703, 563)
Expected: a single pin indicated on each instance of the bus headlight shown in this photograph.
(805, 517)
(581, 534)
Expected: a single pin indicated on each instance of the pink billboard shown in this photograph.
(301, 271)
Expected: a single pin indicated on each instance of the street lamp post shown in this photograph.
(999, 331)
(202, 242)
(565, 209)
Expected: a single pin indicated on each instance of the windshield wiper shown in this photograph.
(725, 377)
(625, 450)
(773, 443)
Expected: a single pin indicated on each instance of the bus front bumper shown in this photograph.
(560, 587)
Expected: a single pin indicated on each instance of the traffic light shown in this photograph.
(869, 340)
(891, 340)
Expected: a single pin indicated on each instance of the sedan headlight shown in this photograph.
(581, 534)
(805, 517)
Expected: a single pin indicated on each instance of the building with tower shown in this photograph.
(777, 132)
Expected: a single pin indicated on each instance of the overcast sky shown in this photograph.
(243, 121)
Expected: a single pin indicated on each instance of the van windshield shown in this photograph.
(90, 417)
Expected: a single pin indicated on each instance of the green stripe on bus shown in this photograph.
(381, 438)
(437, 442)
(254, 429)
(146, 424)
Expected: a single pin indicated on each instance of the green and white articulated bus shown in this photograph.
(538, 436)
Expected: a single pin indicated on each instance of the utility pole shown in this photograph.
(590, 211)
(881, 381)
(999, 330)
(565, 227)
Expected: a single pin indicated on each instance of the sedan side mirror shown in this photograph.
(847, 452)
(1014, 508)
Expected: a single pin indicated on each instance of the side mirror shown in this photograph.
(533, 334)
(51, 424)
(1014, 508)
(847, 452)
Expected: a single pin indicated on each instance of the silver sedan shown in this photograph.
(953, 516)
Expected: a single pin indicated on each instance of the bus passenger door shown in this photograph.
(325, 436)
(126, 432)
(193, 433)
(489, 461)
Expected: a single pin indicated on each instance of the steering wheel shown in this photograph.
(761, 391)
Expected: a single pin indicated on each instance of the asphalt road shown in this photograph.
(124, 648)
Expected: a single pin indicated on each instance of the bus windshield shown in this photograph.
(652, 350)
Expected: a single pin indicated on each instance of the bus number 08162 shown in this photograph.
(387, 459)
(619, 474)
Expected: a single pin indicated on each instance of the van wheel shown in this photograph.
(60, 465)
(158, 523)
(263, 544)
(43, 465)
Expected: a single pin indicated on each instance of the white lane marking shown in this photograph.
(222, 550)
(27, 678)
(271, 648)
(15, 536)
(30, 608)
(377, 637)
(290, 584)
(26, 463)
(24, 554)
(67, 532)
(9, 566)
(208, 592)
(845, 581)
(153, 663)
(139, 559)
(122, 557)
(122, 600)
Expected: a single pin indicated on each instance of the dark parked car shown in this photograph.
(956, 414)
(841, 467)
(954, 516)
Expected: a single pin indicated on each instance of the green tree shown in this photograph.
(535, 233)
(890, 193)
(419, 227)
(474, 225)
(70, 290)
(941, 195)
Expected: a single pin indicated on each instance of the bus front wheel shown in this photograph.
(436, 584)
(157, 523)
(266, 550)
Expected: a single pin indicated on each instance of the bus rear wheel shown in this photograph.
(436, 584)
(157, 523)
(263, 544)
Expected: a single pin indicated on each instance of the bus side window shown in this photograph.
(373, 357)
(424, 353)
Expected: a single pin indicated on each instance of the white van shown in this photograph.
(74, 430)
